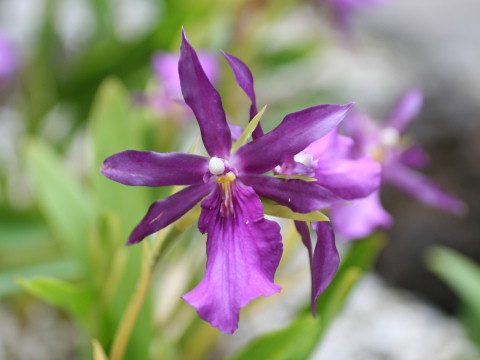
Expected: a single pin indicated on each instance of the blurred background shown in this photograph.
(55, 57)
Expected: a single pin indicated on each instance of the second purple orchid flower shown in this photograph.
(399, 159)
(243, 248)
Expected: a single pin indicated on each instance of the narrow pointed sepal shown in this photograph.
(405, 110)
(423, 189)
(164, 212)
(205, 102)
(295, 133)
(148, 168)
(300, 196)
(244, 79)
(324, 260)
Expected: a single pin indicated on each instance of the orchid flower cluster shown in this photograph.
(400, 160)
(314, 168)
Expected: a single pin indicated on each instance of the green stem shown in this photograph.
(149, 259)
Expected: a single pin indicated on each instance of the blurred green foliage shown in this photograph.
(462, 275)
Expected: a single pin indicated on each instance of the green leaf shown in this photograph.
(66, 268)
(248, 130)
(98, 352)
(66, 205)
(287, 344)
(363, 253)
(74, 299)
(25, 243)
(116, 126)
(300, 339)
(285, 212)
(297, 177)
(459, 272)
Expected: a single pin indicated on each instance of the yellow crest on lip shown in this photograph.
(225, 179)
(225, 182)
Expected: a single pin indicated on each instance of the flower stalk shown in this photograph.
(150, 257)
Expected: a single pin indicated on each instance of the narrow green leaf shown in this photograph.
(115, 126)
(360, 257)
(76, 300)
(285, 212)
(287, 344)
(459, 272)
(66, 205)
(24, 244)
(98, 352)
(66, 268)
(299, 340)
(363, 253)
(248, 130)
(297, 177)
(331, 304)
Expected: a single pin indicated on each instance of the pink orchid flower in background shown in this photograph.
(166, 99)
(8, 59)
(399, 161)
(343, 11)
(331, 162)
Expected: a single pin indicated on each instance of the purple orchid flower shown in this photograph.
(343, 10)
(331, 162)
(243, 248)
(167, 97)
(399, 161)
(8, 59)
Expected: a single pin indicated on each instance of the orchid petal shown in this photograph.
(414, 157)
(243, 253)
(360, 218)
(336, 170)
(294, 134)
(350, 179)
(164, 212)
(363, 130)
(423, 189)
(302, 229)
(300, 196)
(148, 168)
(165, 66)
(405, 110)
(236, 131)
(244, 79)
(325, 260)
(204, 101)
(9, 61)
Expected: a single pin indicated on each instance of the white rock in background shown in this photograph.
(380, 323)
